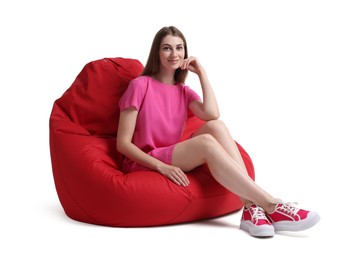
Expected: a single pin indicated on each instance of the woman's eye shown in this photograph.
(166, 48)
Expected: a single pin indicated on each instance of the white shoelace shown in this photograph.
(290, 208)
(258, 213)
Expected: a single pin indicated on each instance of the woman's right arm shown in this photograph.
(125, 146)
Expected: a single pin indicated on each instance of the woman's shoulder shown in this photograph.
(183, 86)
(140, 79)
(140, 82)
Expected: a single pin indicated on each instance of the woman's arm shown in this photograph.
(124, 140)
(208, 108)
(125, 146)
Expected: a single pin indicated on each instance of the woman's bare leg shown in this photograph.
(204, 148)
(220, 132)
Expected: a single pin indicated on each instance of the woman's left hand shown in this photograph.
(192, 64)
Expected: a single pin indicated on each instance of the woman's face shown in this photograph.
(171, 53)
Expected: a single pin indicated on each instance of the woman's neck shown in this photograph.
(165, 78)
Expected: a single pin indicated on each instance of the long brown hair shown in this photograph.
(153, 62)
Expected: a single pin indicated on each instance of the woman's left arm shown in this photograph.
(208, 108)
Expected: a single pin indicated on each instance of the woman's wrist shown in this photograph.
(202, 72)
(159, 166)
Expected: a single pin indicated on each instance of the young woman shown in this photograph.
(150, 138)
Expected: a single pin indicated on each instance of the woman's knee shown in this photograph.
(206, 142)
(215, 126)
(194, 152)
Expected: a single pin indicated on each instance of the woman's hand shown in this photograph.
(175, 174)
(192, 64)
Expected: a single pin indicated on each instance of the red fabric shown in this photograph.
(85, 163)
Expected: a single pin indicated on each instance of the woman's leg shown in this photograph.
(208, 145)
(206, 149)
(220, 132)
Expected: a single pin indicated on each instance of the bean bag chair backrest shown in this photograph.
(91, 103)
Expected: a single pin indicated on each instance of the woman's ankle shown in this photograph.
(271, 205)
(246, 203)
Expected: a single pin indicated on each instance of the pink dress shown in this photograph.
(162, 115)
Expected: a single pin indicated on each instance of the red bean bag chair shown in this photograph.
(86, 165)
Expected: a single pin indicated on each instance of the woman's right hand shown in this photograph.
(192, 64)
(174, 173)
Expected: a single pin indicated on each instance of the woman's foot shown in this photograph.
(287, 217)
(255, 222)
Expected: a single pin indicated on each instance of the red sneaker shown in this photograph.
(255, 222)
(287, 217)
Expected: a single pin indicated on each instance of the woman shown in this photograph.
(153, 113)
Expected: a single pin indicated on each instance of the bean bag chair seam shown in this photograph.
(56, 129)
(178, 215)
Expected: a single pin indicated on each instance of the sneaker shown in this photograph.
(255, 222)
(287, 217)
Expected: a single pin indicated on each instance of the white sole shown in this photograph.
(255, 231)
(310, 221)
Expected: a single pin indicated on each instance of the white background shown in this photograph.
(277, 68)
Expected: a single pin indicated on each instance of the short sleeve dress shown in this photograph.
(162, 113)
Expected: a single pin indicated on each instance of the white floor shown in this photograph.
(277, 69)
(40, 230)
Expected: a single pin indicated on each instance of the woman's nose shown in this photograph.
(174, 53)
